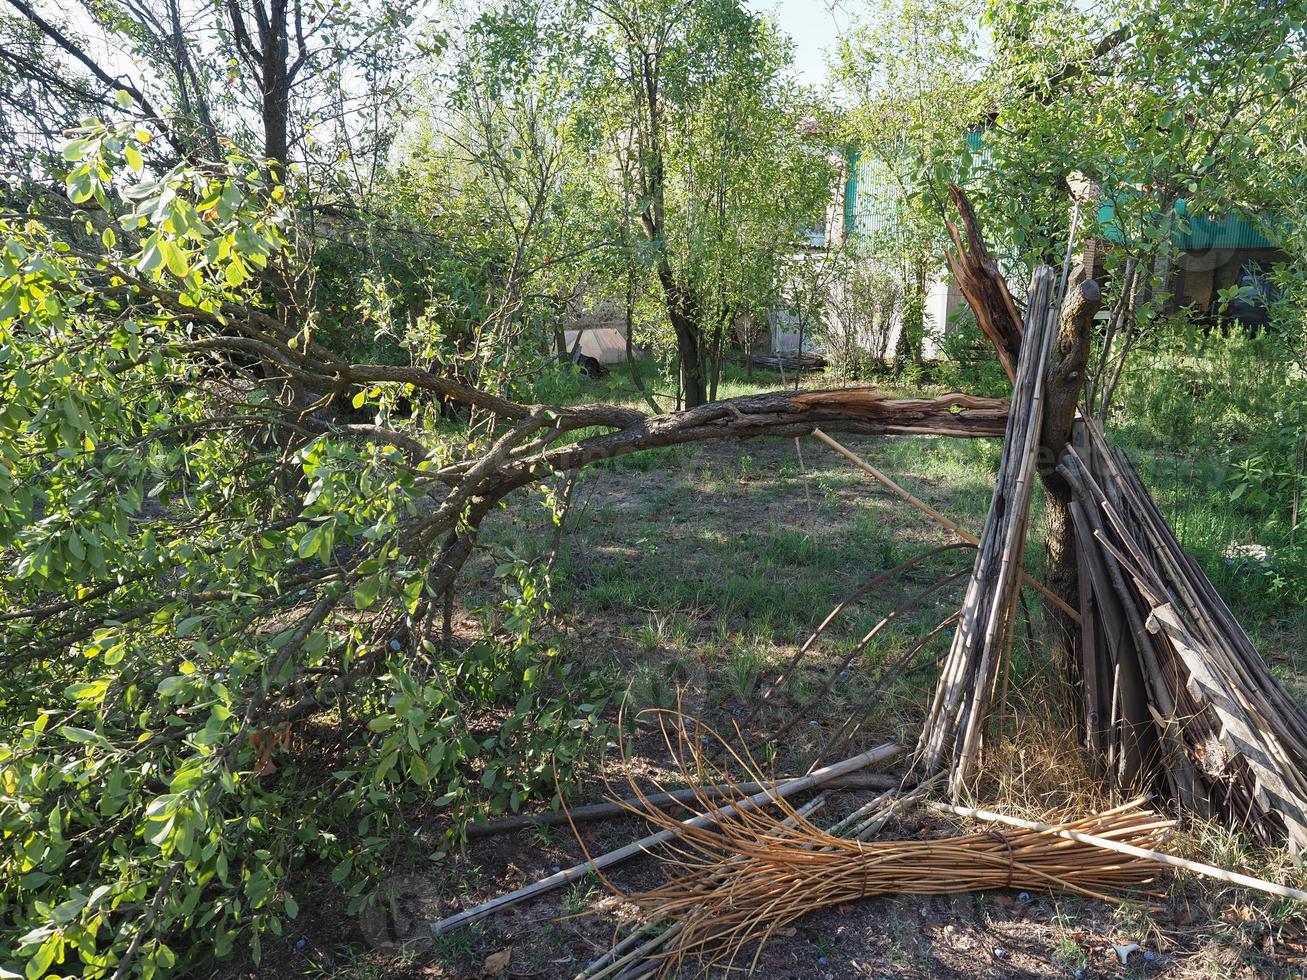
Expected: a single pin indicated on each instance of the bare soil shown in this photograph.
(704, 570)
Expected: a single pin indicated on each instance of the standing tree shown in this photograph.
(912, 77)
(725, 173)
(1173, 110)
(284, 65)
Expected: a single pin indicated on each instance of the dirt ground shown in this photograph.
(703, 571)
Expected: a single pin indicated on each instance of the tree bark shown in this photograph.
(682, 311)
(1062, 396)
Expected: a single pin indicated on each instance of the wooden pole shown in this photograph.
(931, 512)
(1220, 874)
(625, 808)
(879, 754)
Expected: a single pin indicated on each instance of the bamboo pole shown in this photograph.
(935, 515)
(1160, 857)
(879, 754)
(624, 808)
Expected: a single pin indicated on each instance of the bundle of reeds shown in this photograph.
(741, 876)
(956, 720)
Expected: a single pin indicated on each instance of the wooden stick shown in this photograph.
(879, 754)
(930, 511)
(1220, 874)
(623, 808)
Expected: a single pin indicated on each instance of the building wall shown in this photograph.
(1199, 275)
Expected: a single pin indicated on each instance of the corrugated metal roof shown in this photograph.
(1198, 233)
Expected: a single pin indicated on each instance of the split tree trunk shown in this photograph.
(987, 293)
(1065, 383)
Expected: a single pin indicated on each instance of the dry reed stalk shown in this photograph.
(739, 878)
(862, 591)
(741, 805)
(947, 522)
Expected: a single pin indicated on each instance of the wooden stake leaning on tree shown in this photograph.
(935, 515)
(955, 723)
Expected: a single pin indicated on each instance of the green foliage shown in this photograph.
(968, 361)
(912, 72)
(184, 585)
(1228, 410)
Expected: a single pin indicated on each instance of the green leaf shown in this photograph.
(235, 272)
(309, 544)
(87, 691)
(152, 257)
(188, 624)
(75, 149)
(42, 958)
(367, 592)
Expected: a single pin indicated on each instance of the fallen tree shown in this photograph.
(205, 554)
(227, 547)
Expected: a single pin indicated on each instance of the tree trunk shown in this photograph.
(682, 310)
(1062, 397)
(276, 87)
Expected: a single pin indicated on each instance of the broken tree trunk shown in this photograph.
(991, 302)
(955, 723)
(983, 285)
(1065, 381)
(1173, 696)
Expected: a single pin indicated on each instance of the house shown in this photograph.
(871, 212)
(1209, 253)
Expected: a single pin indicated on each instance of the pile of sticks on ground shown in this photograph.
(1175, 695)
(739, 876)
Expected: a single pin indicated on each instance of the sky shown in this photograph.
(814, 25)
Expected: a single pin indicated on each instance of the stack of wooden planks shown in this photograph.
(1175, 695)
(959, 711)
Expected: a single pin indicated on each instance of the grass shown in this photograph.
(696, 572)
(710, 564)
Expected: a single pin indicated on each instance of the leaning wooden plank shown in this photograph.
(1233, 739)
(880, 754)
(960, 708)
(1257, 744)
(1220, 874)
